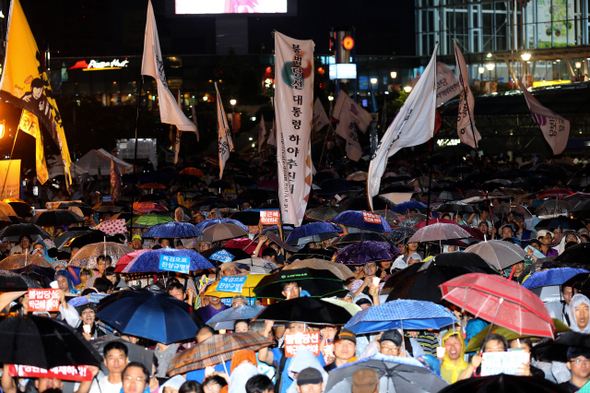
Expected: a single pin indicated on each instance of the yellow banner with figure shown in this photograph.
(29, 123)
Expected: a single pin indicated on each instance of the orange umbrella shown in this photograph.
(154, 186)
(192, 171)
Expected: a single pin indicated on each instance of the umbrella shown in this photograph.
(555, 276)
(321, 213)
(400, 233)
(305, 310)
(319, 283)
(227, 318)
(475, 233)
(308, 253)
(11, 281)
(216, 349)
(311, 233)
(498, 253)
(21, 208)
(395, 375)
(575, 256)
(555, 193)
(560, 222)
(86, 256)
(222, 231)
(149, 314)
(14, 232)
(356, 237)
(51, 218)
(21, 260)
(401, 313)
(149, 220)
(219, 184)
(392, 218)
(363, 220)
(212, 221)
(7, 209)
(222, 254)
(247, 289)
(334, 186)
(553, 208)
(357, 176)
(251, 218)
(504, 383)
(5, 218)
(153, 186)
(191, 171)
(44, 342)
(404, 207)
(456, 207)
(247, 245)
(148, 207)
(436, 232)
(340, 271)
(112, 227)
(72, 233)
(367, 251)
(500, 301)
(172, 229)
(108, 206)
(150, 261)
(557, 350)
(91, 238)
(360, 203)
(125, 259)
(136, 353)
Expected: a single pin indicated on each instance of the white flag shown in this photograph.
(225, 143)
(272, 135)
(153, 65)
(261, 133)
(466, 130)
(293, 113)
(447, 85)
(320, 118)
(361, 117)
(194, 114)
(346, 127)
(555, 128)
(413, 125)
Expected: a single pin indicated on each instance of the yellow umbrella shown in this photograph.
(247, 290)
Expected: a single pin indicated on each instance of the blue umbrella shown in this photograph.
(149, 261)
(362, 220)
(401, 313)
(555, 276)
(314, 232)
(227, 318)
(212, 221)
(403, 207)
(149, 314)
(172, 229)
(366, 251)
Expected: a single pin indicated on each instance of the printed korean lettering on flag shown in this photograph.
(153, 65)
(25, 83)
(225, 144)
(346, 127)
(447, 85)
(555, 128)
(357, 114)
(29, 123)
(413, 125)
(293, 113)
(466, 130)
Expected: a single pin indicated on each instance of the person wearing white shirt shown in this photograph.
(115, 360)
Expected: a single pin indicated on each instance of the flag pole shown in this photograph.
(10, 160)
(468, 110)
(135, 151)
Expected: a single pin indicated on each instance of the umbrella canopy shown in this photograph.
(247, 217)
(212, 221)
(149, 220)
(574, 256)
(399, 234)
(172, 229)
(89, 238)
(7, 209)
(500, 301)
(153, 186)
(14, 232)
(191, 171)
(311, 233)
(246, 245)
(216, 349)
(150, 261)
(554, 208)
(223, 254)
(498, 253)
(125, 259)
(401, 313)
(561, 222)
(325, 213)
(11, 281)
(456, 207)
(405, 207)
(87, 255)
(308, 253)
(227, 318)
(108, 206)
(556, 276)
(503, 383)
(305, 310)
(367, 251)
(21, 208)
(148, 207)
(222, 231)
(149, 314)
(555, 193)
(556, 350)
(252, 281)
(363, 220)
(436, 232)
(349, 238)
(112, 227)
(319, 283)
(340, 271)
(44, 342)
(394, 219)
(395, 375)
(21, 260)
(50, 218)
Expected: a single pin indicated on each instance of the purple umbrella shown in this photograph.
(363, 220)
(314, 232)
(367, 251)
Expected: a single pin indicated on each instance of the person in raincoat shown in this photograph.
(453, 361)
(579, 313)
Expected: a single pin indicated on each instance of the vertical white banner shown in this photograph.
(225, 142)
(466, 130)
(294, 115)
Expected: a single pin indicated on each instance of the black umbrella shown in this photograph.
(247, 217)
(564, 223)
(236, 252)
(89, 238)
(319, 283)
(11, 281)
(308, 253)
(456, 207)
(72, 233)
(306, 310)
(21, 208)
(14, 232)
(51, 218)
(358, 237)
(556, 350)
(44, 342)
(360, 203)
(35, 274)
(136, 353)
(219, 184)
(574, 256)
(503, 383)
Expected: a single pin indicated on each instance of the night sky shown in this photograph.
(82, 28)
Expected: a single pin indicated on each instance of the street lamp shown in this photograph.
(393, 74)
(578, 66)
(490, 67)
(408, 89)
(526, 56)
(481, 70)
(233, 103)
(373, 81)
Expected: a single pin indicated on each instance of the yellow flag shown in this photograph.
(24, 81)
(29, 123)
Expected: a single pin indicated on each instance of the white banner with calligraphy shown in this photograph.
(555, 128)
(466, 130)
(294, 114)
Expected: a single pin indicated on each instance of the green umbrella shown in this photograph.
(148, 220)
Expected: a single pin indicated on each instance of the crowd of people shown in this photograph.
(543, 234)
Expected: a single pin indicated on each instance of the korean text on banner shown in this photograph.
(171, 263)
(65, 373)
(225, 142)
(413, 125)
(9, 179)
(269, 217)
(294, 114)
(25, 83)
(43, 300)
(231, 284)
(309, 340)
(466, 130)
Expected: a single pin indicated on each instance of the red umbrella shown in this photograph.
(437, 232)
(125, 259)
(555, 193)
(500, 301)
(148, 207)
(243, 244)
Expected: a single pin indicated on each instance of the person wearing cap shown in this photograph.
(88, 328)
(365, 380)
(344, 349)
(136, 242)
(546, 238)
(390, 343)
(309, 380)
(579, 365)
